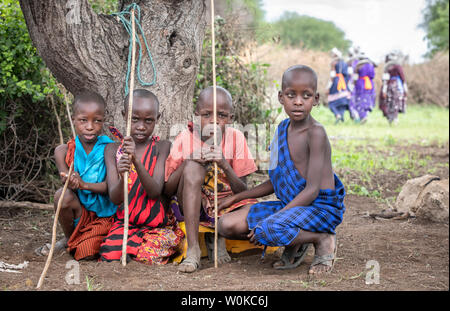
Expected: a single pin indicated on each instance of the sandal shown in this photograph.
(326, 260)
(189, 265)
(43, 250)
(287, 256)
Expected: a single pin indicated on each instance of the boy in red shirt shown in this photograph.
(190, 172)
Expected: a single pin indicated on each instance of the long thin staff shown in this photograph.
(213, 45)
(128, 131)
(58, 208)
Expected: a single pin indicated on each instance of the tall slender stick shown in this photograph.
(70, 117)
(55, 224)
(58, 120)
(213, 45)
(58, 208)
(128, 131)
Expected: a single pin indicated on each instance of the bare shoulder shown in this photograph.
(163, 146)
(60, 155)
(111, 148)
(317, 134)
(61, 150)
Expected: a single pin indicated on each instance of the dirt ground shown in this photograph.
(412, 254)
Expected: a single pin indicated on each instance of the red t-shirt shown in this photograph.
(188, 145)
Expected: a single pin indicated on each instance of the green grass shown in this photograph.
(91, 285)
(421, 125)
(372, 158)
(364, 150)
(377, 145)
(361, 152)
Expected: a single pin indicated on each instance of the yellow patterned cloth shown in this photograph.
(233, 246)
(159, 244)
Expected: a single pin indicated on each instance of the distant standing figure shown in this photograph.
(338, 94)
(363, 96)
(352, 61)
(394, 89)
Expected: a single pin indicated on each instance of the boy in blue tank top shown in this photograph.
(86, 213)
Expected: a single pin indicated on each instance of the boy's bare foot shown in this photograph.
(325, 255)
(192, 261)
(45, 249)
(222, 254)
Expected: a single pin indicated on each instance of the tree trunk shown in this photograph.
(83, 49)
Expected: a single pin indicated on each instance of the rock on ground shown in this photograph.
(426, 197)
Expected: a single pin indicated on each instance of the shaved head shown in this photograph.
(85, 96)
(298, 69)
(209, 91)
(142, 93)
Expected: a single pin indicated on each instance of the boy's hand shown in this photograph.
(200, 161)
(124, 164)
(214, 154)
(225, 202)
(75, 181)
(129, 147)
(251, 237)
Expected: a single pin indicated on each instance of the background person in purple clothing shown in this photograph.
(364, 96)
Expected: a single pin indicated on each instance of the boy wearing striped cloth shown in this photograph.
(311, 196)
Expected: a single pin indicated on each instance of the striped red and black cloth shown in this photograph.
(144, 213)
(88, 235)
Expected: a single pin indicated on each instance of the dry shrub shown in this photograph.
(428, 81)
(280, 58)
(27, 168)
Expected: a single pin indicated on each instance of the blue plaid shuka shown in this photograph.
(274, 228)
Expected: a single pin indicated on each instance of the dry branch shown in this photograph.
(26, 204)
(55, 223)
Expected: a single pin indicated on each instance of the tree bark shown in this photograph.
(83, 49)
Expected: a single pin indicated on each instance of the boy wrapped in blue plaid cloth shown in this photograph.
(311, 196)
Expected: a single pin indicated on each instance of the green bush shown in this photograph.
(23, 73)
(104, 6)
(27, 120)
(435, 24)
(309, 32)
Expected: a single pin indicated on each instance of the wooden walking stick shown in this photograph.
(58, 208)
(213, 45)
(128, 131)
